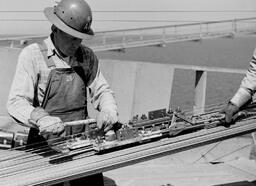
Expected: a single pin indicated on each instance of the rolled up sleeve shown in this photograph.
(20, 100)
(248, 85)
(101, 95)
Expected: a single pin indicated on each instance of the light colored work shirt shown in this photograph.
(248, 85)
(31, 62)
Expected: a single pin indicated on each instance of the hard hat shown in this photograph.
(73, 17)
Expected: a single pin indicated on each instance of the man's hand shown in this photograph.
(50, 125)
(106, 119)
(229, 110)
(47, 124)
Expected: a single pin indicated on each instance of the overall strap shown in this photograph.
(35, 100)
(49, 61)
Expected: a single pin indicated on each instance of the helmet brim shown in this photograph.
(54, 19)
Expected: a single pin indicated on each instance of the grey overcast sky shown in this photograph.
(138, 13)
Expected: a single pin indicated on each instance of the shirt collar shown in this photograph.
(52, 50)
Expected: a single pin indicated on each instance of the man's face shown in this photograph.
(66, 43)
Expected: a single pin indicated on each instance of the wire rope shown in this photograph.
(30, 155)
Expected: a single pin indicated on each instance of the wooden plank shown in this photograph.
(247, 166)
(164, 171)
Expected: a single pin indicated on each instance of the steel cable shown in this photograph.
(31, 154)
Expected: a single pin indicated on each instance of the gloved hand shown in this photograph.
(106, 119)
(50, 124)
(47, 124)
(229, 110)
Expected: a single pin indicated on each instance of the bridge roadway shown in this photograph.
(20, 168)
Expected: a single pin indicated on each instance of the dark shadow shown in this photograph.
(108, 181)
(240, 183)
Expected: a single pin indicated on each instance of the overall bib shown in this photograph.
(65, 97)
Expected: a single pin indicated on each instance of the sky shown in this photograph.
(26, 16)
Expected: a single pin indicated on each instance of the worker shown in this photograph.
(242, 97)
(51, 79)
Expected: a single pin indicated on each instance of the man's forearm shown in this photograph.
(20, 109)
(101, 94)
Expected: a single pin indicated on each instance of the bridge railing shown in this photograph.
(120, 39)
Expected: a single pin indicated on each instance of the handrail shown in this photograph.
(209, 69)
(176, 25)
